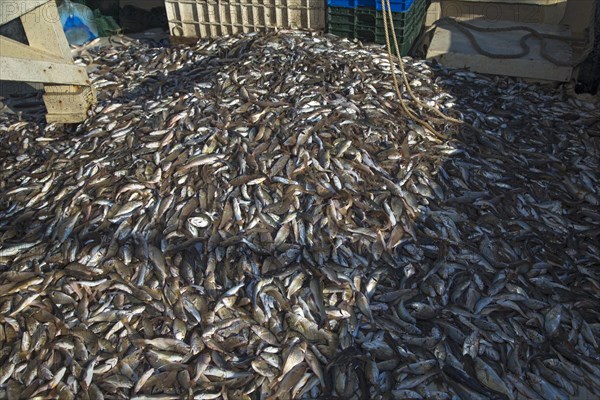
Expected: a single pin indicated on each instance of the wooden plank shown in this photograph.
(10, 10)
(18, 69)
(453, 49)
(517, 68)
(499, 10)
(12, 48)
(66, 118)
(45, 32)
(68, 103)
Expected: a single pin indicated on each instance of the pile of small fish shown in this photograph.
(254, 217)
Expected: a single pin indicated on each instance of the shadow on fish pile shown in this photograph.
(253, 218)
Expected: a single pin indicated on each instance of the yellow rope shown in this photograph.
(391, 60)
(387, 13)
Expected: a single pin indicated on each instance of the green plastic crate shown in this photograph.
(366, 24)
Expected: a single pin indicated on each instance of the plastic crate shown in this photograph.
(396, 5)
(209, 18)
(366, 24)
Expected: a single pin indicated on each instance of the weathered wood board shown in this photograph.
(452, 48)
(47, 59)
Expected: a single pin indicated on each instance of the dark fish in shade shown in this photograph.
(253, 217)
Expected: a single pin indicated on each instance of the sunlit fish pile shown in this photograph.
(255, 218)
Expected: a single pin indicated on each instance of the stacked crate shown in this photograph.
(193, 19)
(363, 20)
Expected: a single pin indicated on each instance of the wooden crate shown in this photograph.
(453, 49)
(210, 18)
